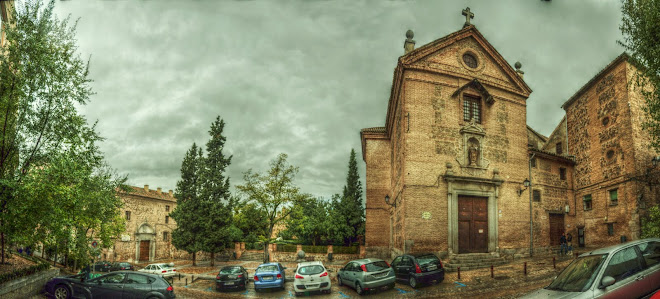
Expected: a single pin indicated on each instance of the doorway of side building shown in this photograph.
(144, 250)
(472, 224)
(556, 228)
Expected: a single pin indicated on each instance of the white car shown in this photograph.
(162, 269)
(311, 277)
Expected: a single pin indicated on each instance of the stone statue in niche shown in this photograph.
(473, 152)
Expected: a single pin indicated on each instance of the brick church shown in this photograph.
(457, 170)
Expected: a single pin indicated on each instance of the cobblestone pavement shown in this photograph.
(508, 281)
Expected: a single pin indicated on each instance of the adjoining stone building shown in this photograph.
(455, 152)
(148, 235)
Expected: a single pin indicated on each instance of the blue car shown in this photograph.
(269, 276)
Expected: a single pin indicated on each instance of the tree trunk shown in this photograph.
(212, 259)
(2, 236)
(194, 256)
(266, 258)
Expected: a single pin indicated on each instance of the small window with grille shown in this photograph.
(562, 173)
(587, 202)
(471, 109)
(559, 148)
(614, 197)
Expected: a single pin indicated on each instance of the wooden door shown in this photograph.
(472, 224)
(556, 228)
(144, 250)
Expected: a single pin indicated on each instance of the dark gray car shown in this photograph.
(120, 284)
(630, 270)
(366, 275)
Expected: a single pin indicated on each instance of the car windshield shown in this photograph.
(311, 270)
(230, 270)
(377, 266)
(427, 259)
(579, 275)
(269, 268)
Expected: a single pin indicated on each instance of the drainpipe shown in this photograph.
(531, 221)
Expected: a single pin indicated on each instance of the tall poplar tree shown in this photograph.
(351, 202)
(189, 230)
(217, 214)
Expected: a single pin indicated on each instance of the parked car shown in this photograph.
(112, 285)
(231, 277)
(311, 277)
(366, 275)
(629, 270)
(418, 268)
(101, 266)
(162, 269)
(118, 266)
(269, 276)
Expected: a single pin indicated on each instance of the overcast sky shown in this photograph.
(301, 77)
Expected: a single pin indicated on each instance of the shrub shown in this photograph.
(315, 249)
(23, 272)
(286, 247)
(346, 249)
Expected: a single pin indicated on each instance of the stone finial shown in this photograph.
(146, 188)
(171, 193)
(409, 44)
(160, 190)
(518, 65)
(449, 169)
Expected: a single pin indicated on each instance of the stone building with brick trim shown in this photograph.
(148, 235)
(456, 150)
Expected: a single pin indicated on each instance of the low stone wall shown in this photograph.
(292, 257)
(27, 286)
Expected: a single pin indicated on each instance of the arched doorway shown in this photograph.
(145, 238)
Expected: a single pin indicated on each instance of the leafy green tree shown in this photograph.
(308, 221)
(351, 202)
(251, 221)
(338, 228)
(217, 213)
(42, 81)
(273, 193)
(186, 236)
(651, 225)
(641, 35)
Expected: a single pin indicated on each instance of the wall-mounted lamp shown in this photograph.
(526, 185)
(655, 161)
(387, 201)
(567, 209)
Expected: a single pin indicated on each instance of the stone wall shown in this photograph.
(27, 286)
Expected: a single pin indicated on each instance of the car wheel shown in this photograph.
(358, 289)
(61, 292)
(339, 282)
(412, 282)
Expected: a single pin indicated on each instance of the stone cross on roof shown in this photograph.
(468, 15)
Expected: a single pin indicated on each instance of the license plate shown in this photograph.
(268, 278)
(432, 267)
(312, 286)
(229, 283)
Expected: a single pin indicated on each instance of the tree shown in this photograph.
(651, 225)
(273, 193)
(351, 202)
(251, 221)
(308, 221)
(186, 236)
(216, 198)
(640, 38)
(42, 81)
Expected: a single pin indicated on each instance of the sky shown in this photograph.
(301, 77)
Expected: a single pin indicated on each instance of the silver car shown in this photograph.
(311, 277)
(630, 270)
(366, 274)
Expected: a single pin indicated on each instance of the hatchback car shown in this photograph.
(418, 268)
(162, 269)
(113, 285)
(366, 274)
(629, 270)
(118, 266)
(269, 276)
(101, 266)
(311, 277)
(231, 277)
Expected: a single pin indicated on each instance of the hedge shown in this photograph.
(23, 272)
(315, 249)
(254, 246)
(287, 247)
(346, 249)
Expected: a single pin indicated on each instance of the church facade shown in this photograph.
(457, 170)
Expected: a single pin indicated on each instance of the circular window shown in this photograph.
(610, 154)
(606, 121)
(470, 60)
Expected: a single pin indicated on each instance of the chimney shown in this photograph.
(409, 44)
(518, 65)
(146, 188)
(160, 190)
(171, 193)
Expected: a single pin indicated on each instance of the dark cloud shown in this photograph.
(301, 77)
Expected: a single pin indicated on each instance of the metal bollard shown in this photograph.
(186, 281)
(525, 270)
(492, 275)
(459, 273)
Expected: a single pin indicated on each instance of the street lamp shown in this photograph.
(526, 184)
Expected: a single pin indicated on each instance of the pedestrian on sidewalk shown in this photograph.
(569, 241)
(562, 243)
